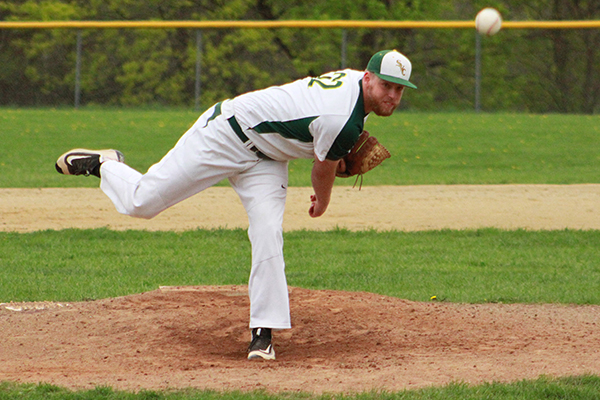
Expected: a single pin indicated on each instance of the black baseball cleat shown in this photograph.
(261, 346)
(86, 162)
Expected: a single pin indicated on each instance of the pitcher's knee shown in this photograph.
(145, 210)
(142, 213)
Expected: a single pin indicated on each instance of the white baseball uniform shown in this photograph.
(249, 140)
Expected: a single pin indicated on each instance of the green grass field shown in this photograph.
(446, 148)
(570, 388)
(487, 265)
(480, 266)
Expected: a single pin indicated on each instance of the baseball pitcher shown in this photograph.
(249, 140)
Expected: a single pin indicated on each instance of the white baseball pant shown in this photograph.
(207, 153)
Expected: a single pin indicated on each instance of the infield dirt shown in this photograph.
(340, 342)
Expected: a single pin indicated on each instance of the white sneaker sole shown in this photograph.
(261, 354)
(105, 155)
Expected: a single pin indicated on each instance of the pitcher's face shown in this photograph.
(381, 97)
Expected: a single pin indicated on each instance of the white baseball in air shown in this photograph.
(488, 21)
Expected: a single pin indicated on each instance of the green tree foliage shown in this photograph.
(527, 70)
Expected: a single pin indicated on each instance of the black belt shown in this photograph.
(240, 133)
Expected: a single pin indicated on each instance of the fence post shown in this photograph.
(78, 71)
(344, 48)
(198, 69)
(477, 72)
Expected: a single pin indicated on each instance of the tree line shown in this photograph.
(533, 70)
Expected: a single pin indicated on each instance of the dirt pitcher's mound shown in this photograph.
(341, 342)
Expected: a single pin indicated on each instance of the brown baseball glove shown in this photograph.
(366, 154)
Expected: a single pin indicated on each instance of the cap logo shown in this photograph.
(399, 64)
(391, 66)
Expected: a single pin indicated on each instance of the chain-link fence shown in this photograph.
(532, 66)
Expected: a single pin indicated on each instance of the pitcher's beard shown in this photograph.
(384, 110)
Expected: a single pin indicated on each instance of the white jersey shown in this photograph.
(312, 116)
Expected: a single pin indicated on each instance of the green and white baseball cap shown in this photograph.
(392, 66)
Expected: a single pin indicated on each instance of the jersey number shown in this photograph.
(328, 81)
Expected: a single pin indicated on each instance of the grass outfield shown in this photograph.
(572, 388)
(479, 266)
(446, 148)
(459, 266)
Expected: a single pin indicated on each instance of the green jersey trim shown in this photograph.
(294, 129)
(215, 114)
(351, 131)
